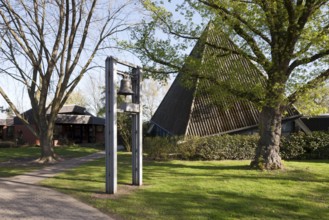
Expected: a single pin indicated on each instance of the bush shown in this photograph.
(235, 147)
(302, 146)
(160, 148)
(292, 147)
(224, 147)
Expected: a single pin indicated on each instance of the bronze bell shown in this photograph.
(125, 86)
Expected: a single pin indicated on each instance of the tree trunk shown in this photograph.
(46, 143)
(267, 152)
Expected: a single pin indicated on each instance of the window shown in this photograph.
(57, 131)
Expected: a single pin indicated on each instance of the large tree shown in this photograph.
(288, 40)
(48, 46)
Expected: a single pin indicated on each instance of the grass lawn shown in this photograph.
(15, 161)
(204, 190)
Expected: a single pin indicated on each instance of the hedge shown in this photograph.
(235, 147)
(159, 148)
(302, 146)
(222, 147)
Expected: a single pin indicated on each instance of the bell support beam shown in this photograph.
(137, 126)
(135, 109)
(111, 142)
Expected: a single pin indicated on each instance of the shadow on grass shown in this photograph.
(234, 171)
(202, 167)
(228, 205)
(202, 190)
(154, 167)
(14, 171)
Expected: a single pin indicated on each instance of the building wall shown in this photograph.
(2, 132)
(68, 134)
(21, 131)
(317, 123)
(99, 134)
(7, 133)
(65, 134)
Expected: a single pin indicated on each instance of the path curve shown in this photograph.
(22, 198)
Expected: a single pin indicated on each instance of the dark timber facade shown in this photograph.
(195, 110)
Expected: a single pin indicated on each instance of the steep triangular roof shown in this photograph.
(173, 113)
(191, 111)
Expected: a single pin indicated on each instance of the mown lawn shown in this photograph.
(15, 161)
(204, 190)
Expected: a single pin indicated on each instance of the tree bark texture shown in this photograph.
(46, 142)
(267, 152)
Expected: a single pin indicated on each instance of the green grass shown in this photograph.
(204, 190)
(29, 153)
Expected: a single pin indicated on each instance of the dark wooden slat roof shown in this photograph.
(172, 114)
(192, 112)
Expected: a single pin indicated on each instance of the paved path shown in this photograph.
(22, 198)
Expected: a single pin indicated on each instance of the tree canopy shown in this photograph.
(288, 40)
(291, 33)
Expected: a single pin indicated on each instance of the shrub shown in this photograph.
(302, 146)
(236, 147)
(160, 148)
(292, 147)
(222, 147)
(232, 147)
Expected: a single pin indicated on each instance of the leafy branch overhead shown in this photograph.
(287, 40)
(278, 36)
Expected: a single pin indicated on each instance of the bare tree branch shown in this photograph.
(59, 39)
(17, 113)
